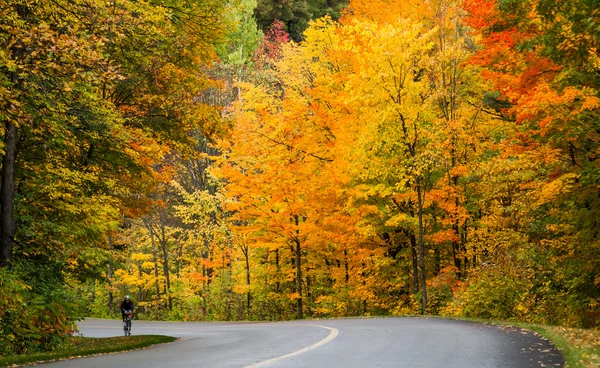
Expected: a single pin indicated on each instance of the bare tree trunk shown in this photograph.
(179, 256)
(457, 251)
(308, 290)
(299, 278)
(9, 161)
(7, 194)
(346, 268)
(298, 268)
(109, 274)
(277, 267)
(363, 274)
(415, 260)
(246, 251)
(421, 248)
(207, 274)
(93, 296)
(463, 247)
(150, 228)
(165, 252)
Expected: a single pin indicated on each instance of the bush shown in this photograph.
(29, 321)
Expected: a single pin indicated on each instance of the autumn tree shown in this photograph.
(92, 98)
(296, 14)
(537, 55)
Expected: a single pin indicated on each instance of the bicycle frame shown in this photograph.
(127, 323)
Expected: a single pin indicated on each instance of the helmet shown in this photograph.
(126, 297)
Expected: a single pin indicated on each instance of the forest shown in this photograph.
(289, 159)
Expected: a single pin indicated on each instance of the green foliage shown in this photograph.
(296, 14)
(242, 39)
(524, 283)
(100, 93)
(224, 304)
(34, 317)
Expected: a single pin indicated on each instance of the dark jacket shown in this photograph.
(126, 305)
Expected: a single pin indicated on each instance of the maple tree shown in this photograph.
(534, 54)
(330, 207)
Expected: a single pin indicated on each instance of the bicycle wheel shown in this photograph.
(128, 327)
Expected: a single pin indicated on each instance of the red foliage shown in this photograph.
(270, 48)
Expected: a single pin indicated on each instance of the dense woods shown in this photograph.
(271, 160)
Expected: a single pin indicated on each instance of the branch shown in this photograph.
(291, 147)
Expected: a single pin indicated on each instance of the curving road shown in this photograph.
(343, 343)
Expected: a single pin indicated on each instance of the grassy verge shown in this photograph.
(82, 346)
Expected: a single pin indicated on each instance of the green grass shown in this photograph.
(83, 346)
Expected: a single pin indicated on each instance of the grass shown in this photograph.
(85, 346)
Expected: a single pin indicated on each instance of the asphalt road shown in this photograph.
(343, 343)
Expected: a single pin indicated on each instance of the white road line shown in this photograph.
(332, 335)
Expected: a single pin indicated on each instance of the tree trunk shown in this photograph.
(150, 228)
(166, 273)
(457, 250)
(421, 248)
(346, 269)
(109, 274)
(463, 248)
(165, 252)
(178, 263)
(437, 261)
(277, 267)
(308, 290)
(9, 161)
(363, 275)
(415, 261)
(204, 288)
(298, 268)
(93, 296)
(299, 278)
(246, 252)
(7, 194)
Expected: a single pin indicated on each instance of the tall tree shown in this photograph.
(296, 14)
(94, 94)
(537, 55)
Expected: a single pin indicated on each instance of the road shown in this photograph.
(343, 343)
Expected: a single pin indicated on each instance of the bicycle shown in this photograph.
(127, 323)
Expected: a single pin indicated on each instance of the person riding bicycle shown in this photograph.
(126, 305)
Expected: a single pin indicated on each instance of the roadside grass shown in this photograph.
(78, 346)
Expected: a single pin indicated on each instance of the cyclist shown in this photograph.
(126, 305)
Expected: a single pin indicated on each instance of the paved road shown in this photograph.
(343, 343)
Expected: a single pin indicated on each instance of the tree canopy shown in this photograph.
(269, 160)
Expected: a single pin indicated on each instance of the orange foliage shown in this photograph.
(386, 11)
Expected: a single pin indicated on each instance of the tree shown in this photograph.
(533, 53)
(92, 96)
(296, 14)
